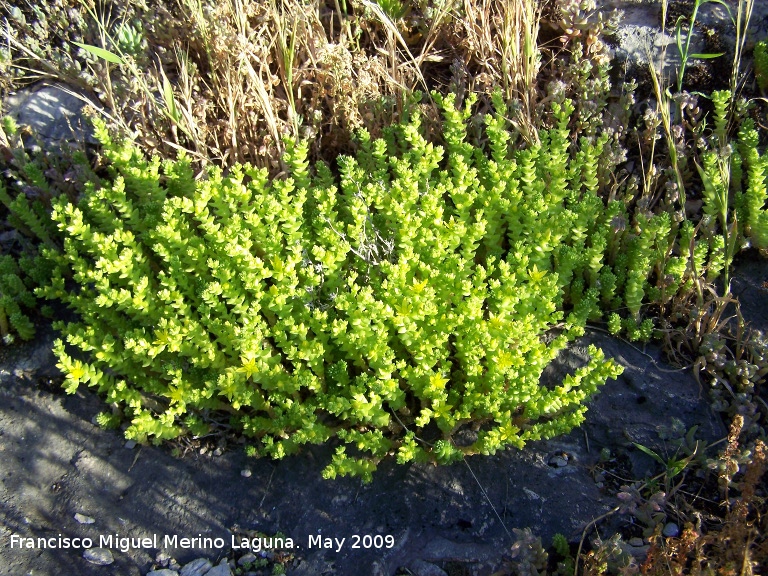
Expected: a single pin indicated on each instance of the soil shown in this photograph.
(462, 519)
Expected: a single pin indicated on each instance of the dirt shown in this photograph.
(56, 463)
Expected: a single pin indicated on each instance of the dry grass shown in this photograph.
(227, 81)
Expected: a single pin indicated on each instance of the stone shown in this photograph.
(246, 473)
(99, 556)
(639, 553)
(248, 558)
(199, 567)
(443, 550)
(163, 572)
(130, 444)
(558, 461)
(83, 519)
(220, 570)
(671, 530)
(53, 112)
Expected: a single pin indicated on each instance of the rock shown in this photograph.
(422, 568)
(639, 27)
(639, 553)
(83, 519)
(671, 530)
(199, 567)
(248, 558)
(163, 559)
(443, 550)
(130, 445)
(99, 556)
(558, 461)
(246, 473)
(220, 570)
(53, 112)
(163, 572)
(636, 542)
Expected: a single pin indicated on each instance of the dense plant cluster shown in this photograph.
(416, 293)
(27, 185)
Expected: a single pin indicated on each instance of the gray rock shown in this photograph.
(639, 553)
(53, 112)
(558, 461)
(248, 558)
(99, 556)
(199, 567)
(83, 519)
(220, 570)
(443, 550)
(163, 572)
(671, 530)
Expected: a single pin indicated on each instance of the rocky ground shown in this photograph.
(62, 477)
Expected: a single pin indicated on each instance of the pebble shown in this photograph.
(163, 572)
(100, 556)
(83, 519)
(248, 558)
(130, 445)
(163, 559)
(220, 570)
(558, 461)
(246, 473)
(636, 542)
(639, 553)
(199, 567)
(671, 530)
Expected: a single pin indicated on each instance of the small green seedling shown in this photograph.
(684, 48)
(673, 466)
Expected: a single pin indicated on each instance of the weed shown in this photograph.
(684, 47)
